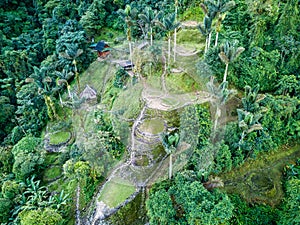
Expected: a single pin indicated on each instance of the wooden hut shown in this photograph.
(89, 94)
(102, 49)
(126, 64)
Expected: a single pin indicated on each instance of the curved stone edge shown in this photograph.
(57, 148)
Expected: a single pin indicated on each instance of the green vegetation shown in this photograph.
(52, 173)
(59, 137)
(153, 126)
(116, 191)
(220, 94)
(181, 83)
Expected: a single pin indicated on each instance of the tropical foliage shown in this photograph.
(248, 71)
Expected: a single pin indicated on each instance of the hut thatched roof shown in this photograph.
(101, 46)
(88, 93)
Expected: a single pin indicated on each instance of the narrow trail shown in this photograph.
(135, 124)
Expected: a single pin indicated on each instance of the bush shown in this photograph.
(121, 78)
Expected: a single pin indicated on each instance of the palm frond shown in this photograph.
(204, 8)
(237, 53)
(223, 57)
(227, 6)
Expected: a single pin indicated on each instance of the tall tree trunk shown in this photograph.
(225, 73)
(175, 40)
(170, 166)
(77, 213)
(209, 38)
(206, 41)
(175, 32)
(217, 116)
(151, 36)
(169, 49)
(77, 75)
(130, 54)
(60, 100)
(217, 36)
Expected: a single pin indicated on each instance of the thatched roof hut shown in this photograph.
(89, 94)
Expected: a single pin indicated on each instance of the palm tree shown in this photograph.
(229, 53)
(170, 142)
(213, 183)
(72, 52)
(248, 122)
(169, 24)
(129, 15)
(44, 83)
(150, 18)
(210, 14)
(206, 31)
(63, 77)
(215, 9)
(251, 99)
(220, 95)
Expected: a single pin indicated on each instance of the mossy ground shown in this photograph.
(152, 126)
(259, 180)
(116, 191)
(52, 173)
(59, 137)
(181, 83)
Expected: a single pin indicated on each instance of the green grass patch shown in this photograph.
(109, 34)
(52, 173)
(155, 82)
(190, 36)
(97, 75)
(152, 126)
(52, 158)
(59, 137)
(159, 152)
(193, 13)
(259, 180)
(169, 101)
(128, 103)
(116, 191)
(181, 83)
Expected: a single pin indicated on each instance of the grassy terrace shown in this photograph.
(59, 137)
(116, 191)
